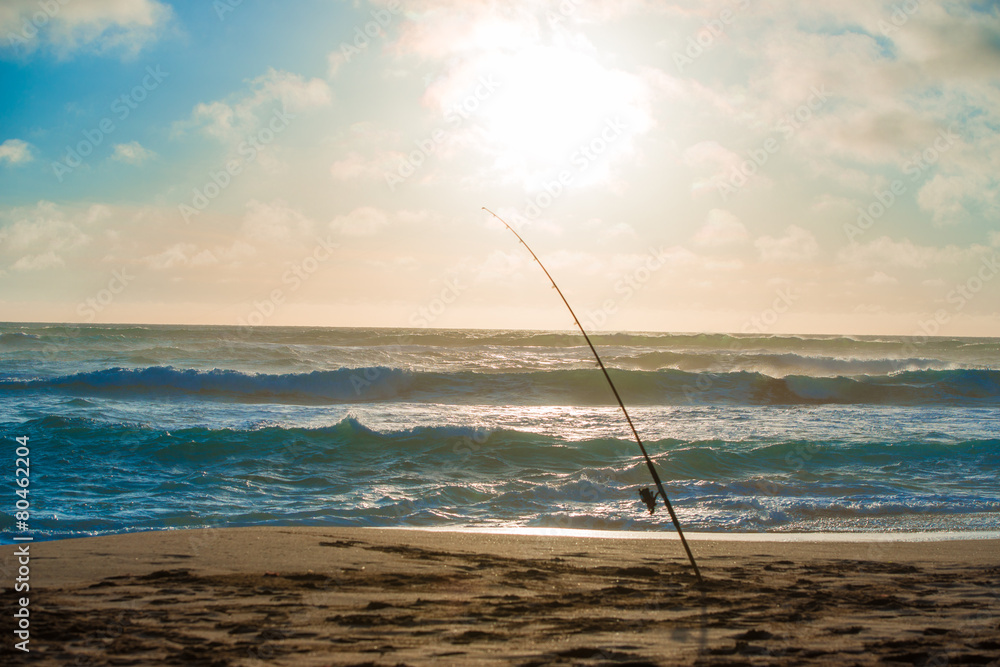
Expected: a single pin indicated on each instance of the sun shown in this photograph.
(550, 109)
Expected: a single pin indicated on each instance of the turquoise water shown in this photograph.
(138, 428)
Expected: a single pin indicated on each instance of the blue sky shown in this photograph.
(767, 167)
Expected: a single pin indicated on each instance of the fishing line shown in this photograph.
(647, 497)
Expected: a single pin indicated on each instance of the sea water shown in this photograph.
(162, 427)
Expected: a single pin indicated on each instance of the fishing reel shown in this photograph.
(649, 498)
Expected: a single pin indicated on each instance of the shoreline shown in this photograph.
(668, 535)
(915, 536)
(320, 596)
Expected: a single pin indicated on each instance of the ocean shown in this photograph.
(134, 428)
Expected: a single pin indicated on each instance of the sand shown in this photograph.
(321, 596)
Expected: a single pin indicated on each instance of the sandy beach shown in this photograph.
(320, 596)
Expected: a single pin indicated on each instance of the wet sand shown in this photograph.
(322, 596)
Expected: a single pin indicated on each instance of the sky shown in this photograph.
(743, 166)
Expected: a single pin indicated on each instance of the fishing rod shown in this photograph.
(647, 497)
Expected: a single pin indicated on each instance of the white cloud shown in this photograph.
(93, 26)
(676, 257)
(38, 262)
(721, 228)
(713, 165)
(88, 239)
(276, 222)
(274, 92)
(879, 278)
(178, 254)
(362, 221)
(834, 205)
(233, 255)
(441, 28)
(883, 251)
(369, 221)
(356, 166)
(711, 153)
(436, 29)
(214, 118)
(15, 151)
(44, 229)
(876, 133)
(294, 92)
(132, 153)
(890, 96)
(796, 245)
(952, 198)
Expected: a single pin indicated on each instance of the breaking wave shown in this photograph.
(556, 387)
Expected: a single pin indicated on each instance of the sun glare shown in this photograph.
(551, 105)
